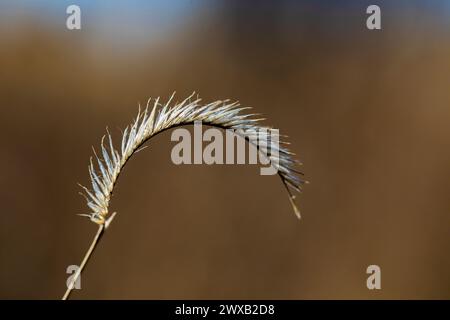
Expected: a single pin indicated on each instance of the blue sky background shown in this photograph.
(136, 23)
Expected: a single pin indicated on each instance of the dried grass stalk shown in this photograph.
(106, 168)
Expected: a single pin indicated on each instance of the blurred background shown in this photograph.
(367, 112)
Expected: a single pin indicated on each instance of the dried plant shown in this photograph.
(161, 117)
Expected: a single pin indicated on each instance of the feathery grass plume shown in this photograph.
(106, 168)
(149, 123)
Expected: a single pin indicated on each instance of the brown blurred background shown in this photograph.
(368, 113)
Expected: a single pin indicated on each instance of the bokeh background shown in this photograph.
(368, 113)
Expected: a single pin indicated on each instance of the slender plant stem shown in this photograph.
(95, 241)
